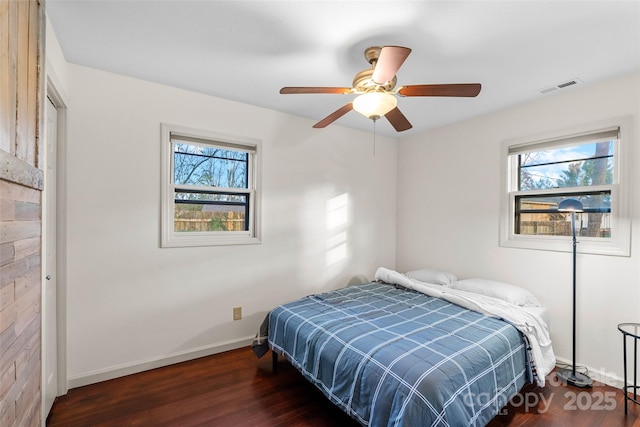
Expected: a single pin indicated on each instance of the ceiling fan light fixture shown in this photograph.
(375, 89)
(374, 105)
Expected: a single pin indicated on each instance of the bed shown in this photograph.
(401, 352)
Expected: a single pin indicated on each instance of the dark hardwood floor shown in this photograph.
(236, 389)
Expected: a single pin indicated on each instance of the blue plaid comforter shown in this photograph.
(388, 356)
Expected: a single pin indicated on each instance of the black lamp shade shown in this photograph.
(570, 205)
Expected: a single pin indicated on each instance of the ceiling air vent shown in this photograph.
(562, 85)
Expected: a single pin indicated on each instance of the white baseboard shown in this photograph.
(157, 362)
(597, 375)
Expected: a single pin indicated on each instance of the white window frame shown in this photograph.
(172, 239)
(619, 244)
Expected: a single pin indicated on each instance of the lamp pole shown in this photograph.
(573, 229)
(570, 376)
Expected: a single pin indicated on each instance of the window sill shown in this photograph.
(564, 244)
(179, 241)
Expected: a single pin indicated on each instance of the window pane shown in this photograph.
(210, 212)
(567, 167)
(209, 166)
(539, 216)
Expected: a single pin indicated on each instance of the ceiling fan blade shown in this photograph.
(301, 90)
(462, 89)
(389, 62)
(334, 116)
(398, 120)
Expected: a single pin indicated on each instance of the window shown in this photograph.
(209, 188)
(586, 164)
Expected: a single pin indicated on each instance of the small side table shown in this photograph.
(631, 330)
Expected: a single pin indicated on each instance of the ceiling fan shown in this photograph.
(375, 89)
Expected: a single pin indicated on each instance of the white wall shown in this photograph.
(449, 208)
(132, 305)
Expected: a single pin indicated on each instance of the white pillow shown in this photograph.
(504, 291)
(432, 276)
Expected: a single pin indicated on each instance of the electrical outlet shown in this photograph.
(237, 313)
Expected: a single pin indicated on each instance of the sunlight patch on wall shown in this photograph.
(336, 248)
(337, 221)
(337, 211)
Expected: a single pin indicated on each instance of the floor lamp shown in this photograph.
(566, 375)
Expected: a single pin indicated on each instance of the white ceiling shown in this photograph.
(247, 50)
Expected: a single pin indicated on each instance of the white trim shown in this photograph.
(58, 99)
(157, 362)
(171, 239)
(620, 242)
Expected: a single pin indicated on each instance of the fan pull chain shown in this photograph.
(374, 138)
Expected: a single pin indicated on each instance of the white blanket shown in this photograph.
(531, 325)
